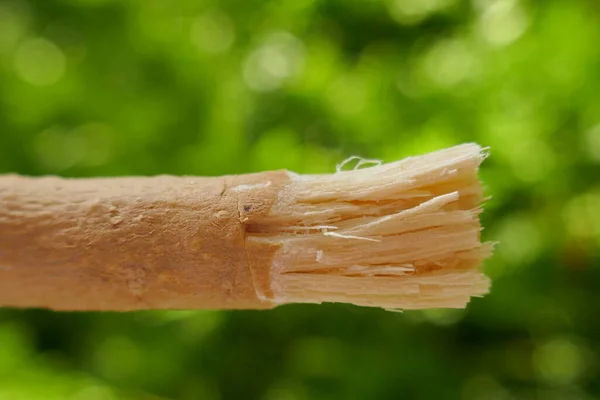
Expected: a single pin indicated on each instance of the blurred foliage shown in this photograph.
(121, 87)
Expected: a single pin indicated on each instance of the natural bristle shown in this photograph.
(403, 235)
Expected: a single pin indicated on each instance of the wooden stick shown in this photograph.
(401, 235)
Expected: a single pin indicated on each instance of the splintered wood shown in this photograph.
(403, 235)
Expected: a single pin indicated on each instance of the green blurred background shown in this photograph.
(109, 87)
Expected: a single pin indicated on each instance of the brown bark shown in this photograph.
(134, 243)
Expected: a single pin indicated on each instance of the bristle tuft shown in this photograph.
(403, 235)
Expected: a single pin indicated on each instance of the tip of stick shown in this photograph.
(402, 235)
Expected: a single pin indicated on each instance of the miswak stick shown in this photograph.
(403, 235)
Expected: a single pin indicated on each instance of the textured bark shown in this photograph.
(134, 243)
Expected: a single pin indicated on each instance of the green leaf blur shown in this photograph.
(144, 87)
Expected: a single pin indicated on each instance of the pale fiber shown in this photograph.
(403, 235)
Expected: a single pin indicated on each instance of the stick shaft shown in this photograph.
(125, 243)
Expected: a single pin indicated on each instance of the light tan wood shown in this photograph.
(403, 235)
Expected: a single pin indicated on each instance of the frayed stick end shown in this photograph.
(407, 234)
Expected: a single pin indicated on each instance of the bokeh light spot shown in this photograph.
(520, 242)
(40, 62)
(532, 160)
(213, 32)
(56, 149)
(560, 361)
(279, 58)
(450, 62)
(502, 22)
